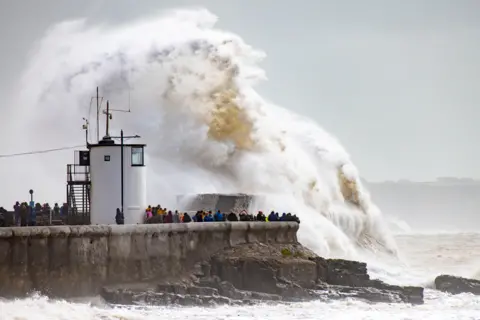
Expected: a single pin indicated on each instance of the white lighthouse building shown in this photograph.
(100, 182)
(113, 179)
(110, 175)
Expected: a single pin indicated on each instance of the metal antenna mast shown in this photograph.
(98, 118)
(109, 117)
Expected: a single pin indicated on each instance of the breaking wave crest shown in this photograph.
(191, 89)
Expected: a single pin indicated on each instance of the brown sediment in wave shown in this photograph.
(229, 122)
(349, 188)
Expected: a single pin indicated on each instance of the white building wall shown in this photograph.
(106, 186)
(135, 190)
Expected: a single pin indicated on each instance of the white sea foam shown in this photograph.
(191, 88)
(207, 129)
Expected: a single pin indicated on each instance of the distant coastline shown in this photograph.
(446, 203)
(442, 181)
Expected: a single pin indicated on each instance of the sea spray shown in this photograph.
(191, 90)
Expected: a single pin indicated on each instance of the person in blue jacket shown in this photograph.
(219, 216)
(208, 218)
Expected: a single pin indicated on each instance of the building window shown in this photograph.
(137, 156)
(106, 158)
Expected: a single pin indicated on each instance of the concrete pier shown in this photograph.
(69, 261)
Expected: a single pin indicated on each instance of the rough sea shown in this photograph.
(192, 91)
(424, 256)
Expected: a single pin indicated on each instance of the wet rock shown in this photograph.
(412, 294)
(456, 285)
(408, 294)
(118, 296)
(202, 291)
(294, 292)
(371, 294)
(351, 277)
(254, 273)
(165, 299)
(228, 290)
(246, 274)
(300, 271)
(172, 288)
(264, 296)
(126, 296)
(344, 272)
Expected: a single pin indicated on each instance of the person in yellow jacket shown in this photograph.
(161, 211)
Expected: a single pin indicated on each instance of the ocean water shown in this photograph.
(424, 257)
(193, 100)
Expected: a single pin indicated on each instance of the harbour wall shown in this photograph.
(73, 261)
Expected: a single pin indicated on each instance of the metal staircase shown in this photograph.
(79, 199)
(78, 194)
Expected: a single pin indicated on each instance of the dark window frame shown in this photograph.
(136, 148)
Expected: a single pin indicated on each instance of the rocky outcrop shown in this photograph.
(351, 278)
(251, 273)
(456, 285)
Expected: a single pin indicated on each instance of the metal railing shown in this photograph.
(78, 173)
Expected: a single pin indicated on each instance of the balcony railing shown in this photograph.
(78, 173)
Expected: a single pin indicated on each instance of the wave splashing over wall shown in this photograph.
(191, 88)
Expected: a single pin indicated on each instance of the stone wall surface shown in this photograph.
(68, 261)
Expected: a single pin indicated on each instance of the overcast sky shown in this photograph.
(398, 82)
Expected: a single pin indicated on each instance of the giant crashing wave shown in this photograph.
(207, 129)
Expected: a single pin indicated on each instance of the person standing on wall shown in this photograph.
(119, 218)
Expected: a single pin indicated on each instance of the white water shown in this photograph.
(207, 129)
(425, 256)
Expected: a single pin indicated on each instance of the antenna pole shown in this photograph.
(98, 118)
(85, 127)
(108, 120)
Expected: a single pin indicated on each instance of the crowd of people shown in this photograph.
(32, 214)
(162, 215)
(36, 214)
